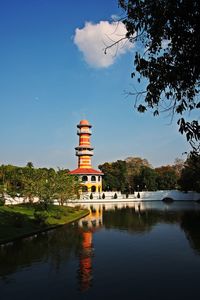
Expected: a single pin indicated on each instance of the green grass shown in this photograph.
(18, 220)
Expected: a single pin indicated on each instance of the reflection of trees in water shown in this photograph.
(53, 246)
(137, 221)
(143, 221)
(190, 223)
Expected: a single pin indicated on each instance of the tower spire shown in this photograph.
(90, 179)
(84, 150)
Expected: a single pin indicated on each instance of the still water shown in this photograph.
(122, 251)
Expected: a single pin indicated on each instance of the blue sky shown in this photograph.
(48, 84)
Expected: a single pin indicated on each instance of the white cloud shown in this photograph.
(92, 39)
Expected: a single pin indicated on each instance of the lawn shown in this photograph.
(21, 220)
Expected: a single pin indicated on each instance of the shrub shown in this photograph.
(103, 196)
(138, 195)
(77, 207)
(40, 217)
(71, 210)
(58, 215)
(115, 196)
(2, 201)
(126, 195)
(91, 196)
(39, 206)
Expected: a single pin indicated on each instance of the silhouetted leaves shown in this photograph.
(170, 59)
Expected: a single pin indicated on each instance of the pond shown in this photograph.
(137, 251)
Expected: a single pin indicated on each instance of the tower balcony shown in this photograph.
(84, 148)
(85, 152)
(84, 131)
(84, 125)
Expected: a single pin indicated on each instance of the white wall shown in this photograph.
(174, 194)
(147, 196)
(144, 196)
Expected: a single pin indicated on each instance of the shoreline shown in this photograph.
(9, 241)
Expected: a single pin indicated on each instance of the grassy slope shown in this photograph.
(11, 228)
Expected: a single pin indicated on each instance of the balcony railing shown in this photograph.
(86, 152)
(84, 148)
(80, 131)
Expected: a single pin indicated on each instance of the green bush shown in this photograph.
(2, 201)
(71, 210)
(103, 196)
(91, 196)
(40, 216)
(77, 207)
(39, 206)
(58, 215)
(115, 196)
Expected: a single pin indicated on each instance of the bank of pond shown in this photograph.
(17, 221)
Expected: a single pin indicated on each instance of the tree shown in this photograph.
(166, 178)
(46, 186)
(29, 165)
(115, 175)
(147, 179)
(11, 179)
(169, 59)
(66, 187)
(126, 175)
(134, 166)
(30, 183)
(178, 166)
(190, 176)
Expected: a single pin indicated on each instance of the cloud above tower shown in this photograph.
(92, 40)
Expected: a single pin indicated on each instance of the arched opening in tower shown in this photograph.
(93, 189)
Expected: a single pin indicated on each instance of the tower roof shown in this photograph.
(84, 122)
(84, 171)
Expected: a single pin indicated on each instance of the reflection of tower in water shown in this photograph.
(88, 225)
(85, 262)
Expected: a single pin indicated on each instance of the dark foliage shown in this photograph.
(190, 176)
(169, 33)
(135, 173)
(40, 217)
(2, 201)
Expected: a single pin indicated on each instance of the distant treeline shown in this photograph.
(129, 175)
(30, 182)
(136, 174)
